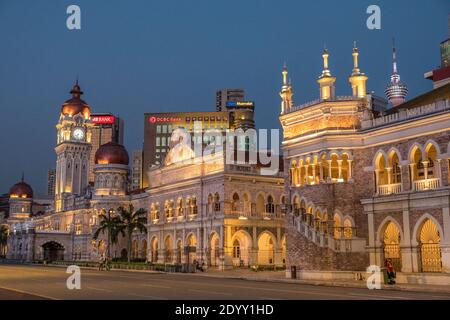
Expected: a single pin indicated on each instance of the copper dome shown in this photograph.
(76, 104)
(21, 190)
(111, 153)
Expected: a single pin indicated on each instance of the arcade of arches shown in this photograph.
(323, 168)
(240, 249)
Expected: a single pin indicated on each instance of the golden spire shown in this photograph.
(326, 81)
(285, 73)
(355, 60)
(357, 79)
(286, 92)
(326, 71)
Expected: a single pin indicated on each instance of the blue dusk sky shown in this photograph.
(142, 56)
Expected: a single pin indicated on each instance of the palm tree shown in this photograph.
(4, 232)
(108, 224)
(130, 221)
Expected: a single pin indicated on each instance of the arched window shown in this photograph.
(270, 207)
(348, 230)
(180, 207)
(194, 205)
(431, 156)
(235, 202)
(337, 226)
(216, 202)
(396, 170)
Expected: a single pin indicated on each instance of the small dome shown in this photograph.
(21, 190)
(111, 153)
(76, 104)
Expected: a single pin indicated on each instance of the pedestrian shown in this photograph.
(101, 262)
(390, 271)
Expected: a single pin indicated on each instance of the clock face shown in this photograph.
(78, 134)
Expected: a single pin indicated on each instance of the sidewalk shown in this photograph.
(280, 277)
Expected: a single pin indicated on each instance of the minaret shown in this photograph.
(326, 81)
(395, 91)
(286, 92)
(357, 79)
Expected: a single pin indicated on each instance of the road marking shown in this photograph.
(29, 293)
(212, 292)
(99, 289)
(155, 286)
(146, 296)
(378, 296)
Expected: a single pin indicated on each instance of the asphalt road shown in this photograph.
(38, 282)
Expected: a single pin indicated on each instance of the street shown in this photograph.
(38, 282)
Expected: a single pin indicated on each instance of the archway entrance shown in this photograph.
(391, 245)
(430, 247)
(154, 250)
(191, 248)
(214, 250)
(241, 243)
(265, 249)
(53, 251)
(168, 246)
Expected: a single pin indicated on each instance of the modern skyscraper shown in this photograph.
(441, 75)
(136, 172)
(106, 128)
(228, 95)
(51, 182)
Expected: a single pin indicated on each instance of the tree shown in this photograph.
(108, 224)
(130, 221)
(4, 233)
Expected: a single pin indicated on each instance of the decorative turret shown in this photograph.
(20, 200)
(357, 79)
(395, 91)
(326, 80)
(286, 92)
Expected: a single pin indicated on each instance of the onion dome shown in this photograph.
(76, 105)
(111, 153)
(395, 91)
(21, 190)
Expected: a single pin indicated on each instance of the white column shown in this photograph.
(340, 169)
(405, 245)
(350, 173)
(329, 171)
(320, 172)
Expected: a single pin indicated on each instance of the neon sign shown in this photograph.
(164, 119)
(103, 119)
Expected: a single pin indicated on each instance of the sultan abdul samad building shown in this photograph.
(199, 208)
(366, 182)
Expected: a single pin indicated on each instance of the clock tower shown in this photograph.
(72, 149)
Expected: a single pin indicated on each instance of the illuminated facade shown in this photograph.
(205, 210)
(365, 185)
(224, 215)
